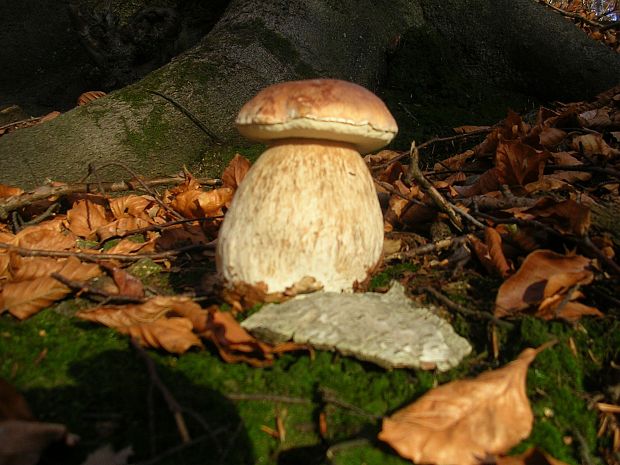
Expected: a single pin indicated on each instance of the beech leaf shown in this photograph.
(171, 334)
(235, 171)
(462, 422)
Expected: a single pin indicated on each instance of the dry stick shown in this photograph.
(586, 168)
(442, 204)
(94, 257)
(154, 194)
(81, 287)
(571, 15)
(173, 450)
(584, 242)
(329, 398)
(464, 310)
(189, 114)
(428, 248)
(41, 193)
(51, 210)
(269, 398)
(388, 187)
(173, 405)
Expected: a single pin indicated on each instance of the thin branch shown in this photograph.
(41, 193)
(269, 398)
(82, 287)
(173, 405)
(464, 310)
(329, 397)
(189, 114)
(94, 257)
(586, 168)
(569, 14)
(428, 248)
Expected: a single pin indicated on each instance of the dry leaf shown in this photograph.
(9, 191)
(85, 217)
(49, 235)
(490, 252)
(25, 298)
(131, 205)
(567, 216)
(199, 204)
(127, 283)
(89, 96)
(593, 144)
(235, 171)
(518, 164)
(171, 334)
(121, 227)
(468, 129)
(486, 182)
(116, 316)
(462, 422)
(544, 274)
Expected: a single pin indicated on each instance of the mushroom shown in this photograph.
(308, 207)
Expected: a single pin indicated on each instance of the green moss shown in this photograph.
(383, 279)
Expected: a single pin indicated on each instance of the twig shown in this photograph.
(428, 248)
(388, 187)
(173, 405)
(571, 15)
(85, 288)
(415, 173)
(189, 114)
(43, 216)
(584, 450)
(336, 448)
(146, 187)
(329, 397)
(173, 450)
(464, 310)
(586, 168)
(41, 193)
(269, 398)
(94, 257)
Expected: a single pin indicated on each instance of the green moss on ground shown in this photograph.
(87, 377)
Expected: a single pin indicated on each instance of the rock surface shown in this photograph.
(387, 329)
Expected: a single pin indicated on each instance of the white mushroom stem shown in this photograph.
(306, 208)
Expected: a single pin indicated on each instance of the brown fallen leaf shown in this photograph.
(131, 205)
(121, 227)
(85, 217)
(171, 334)
(198, 203)
(49, 235)
(518, 164)
(532, 456)
(117, 316)
(593, 144)
(490, 252)
(25, 298)
(545, 275)
(462, 422)
(566, 216)
(87, 97)
(9, 191)
(235, 171)
(127, 283)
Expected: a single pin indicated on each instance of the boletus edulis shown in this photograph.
(308, 207)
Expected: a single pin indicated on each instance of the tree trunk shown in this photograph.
(499, 44)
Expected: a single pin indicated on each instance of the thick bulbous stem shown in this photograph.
(306, 208)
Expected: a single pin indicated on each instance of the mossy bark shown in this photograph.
(485, 48)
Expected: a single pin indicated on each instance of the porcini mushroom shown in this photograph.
(308, 206)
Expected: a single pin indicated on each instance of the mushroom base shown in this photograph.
(305, 209)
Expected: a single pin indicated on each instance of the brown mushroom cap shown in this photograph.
(318, 109)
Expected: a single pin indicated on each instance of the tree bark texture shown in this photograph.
(512, 43)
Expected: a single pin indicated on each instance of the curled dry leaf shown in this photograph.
(235, 171)
(567, 216)
(490, 252)
(518, 164)
(116, 316)
(25, 298)
(89, 96)
(131, 206)
(462, 422)
(199, 204)
(49, 235)
(85, 217)
(546, 275)
(121, 227)
(171, 334)
(9, 191)
(486, 182)
(593, 144)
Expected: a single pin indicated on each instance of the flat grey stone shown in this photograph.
(387, 329)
